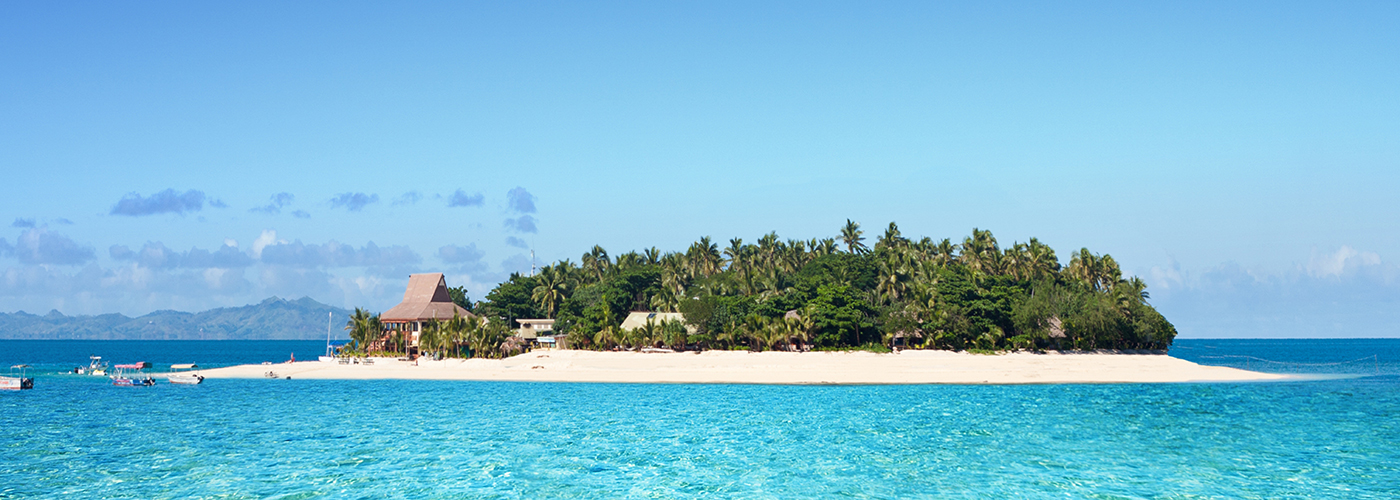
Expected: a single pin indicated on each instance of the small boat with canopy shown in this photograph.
(133, 375)
(183, 374)
(14, 383)
(95, 367)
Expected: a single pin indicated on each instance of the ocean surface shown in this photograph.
(1333, 435)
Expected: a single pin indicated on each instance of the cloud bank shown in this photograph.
(167, 201)
(520, 201)
(353, 202)
(1343, 293)
(155, 255)
(409, 198)
(278, 201)
(460, 198)
(40, 246)
(523, 224)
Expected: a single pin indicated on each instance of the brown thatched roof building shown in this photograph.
(426, 299)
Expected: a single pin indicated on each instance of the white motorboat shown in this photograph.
(17, 383)
(182, 374)
(95, 367)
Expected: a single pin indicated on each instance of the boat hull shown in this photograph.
(133, 382)
(16, 383)
(186, 379)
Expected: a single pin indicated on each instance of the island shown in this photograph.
(816, 311)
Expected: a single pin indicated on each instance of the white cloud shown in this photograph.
(267, 237)
(41, 246)
(520, 201)
(1344, 293)
(1343, 260)
(167, 201)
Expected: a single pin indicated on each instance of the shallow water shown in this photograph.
(78, 437)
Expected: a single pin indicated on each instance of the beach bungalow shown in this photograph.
(638, 319)
(425, 300)
(531, 329)
(537, 331)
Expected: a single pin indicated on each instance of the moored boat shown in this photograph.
(95, 367)
(136, 379)
(181, 374)
(17, 383)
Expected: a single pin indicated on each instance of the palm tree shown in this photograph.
(944, 252)
(596, 261)
(645, 335)
(364, 328)
(431, 337)
(675, 333)
(980, 253)
(1041, 260)
(1099, 273)
(891, 239)
(734, 253)
(800, 328)
(755, 330)
(704, 257)
(359, 328)
(552, 290)
(851, 236)
(894, 279)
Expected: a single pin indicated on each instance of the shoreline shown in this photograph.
(779, 368)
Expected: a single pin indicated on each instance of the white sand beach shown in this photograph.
(741, 367)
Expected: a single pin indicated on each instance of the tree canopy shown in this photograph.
(838, 293)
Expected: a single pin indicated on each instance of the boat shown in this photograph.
(181, 374)
(17, 383)
(137, 379)
(95, 367)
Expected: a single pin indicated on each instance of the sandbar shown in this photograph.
(743, 367)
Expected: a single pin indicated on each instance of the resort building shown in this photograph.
(638, 319)
(531, 329)
(537, 331)
(425, 300)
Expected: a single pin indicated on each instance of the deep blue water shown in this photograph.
(78, 437)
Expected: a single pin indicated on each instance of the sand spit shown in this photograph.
(740, 367)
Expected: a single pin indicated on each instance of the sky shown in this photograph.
(1241, 157)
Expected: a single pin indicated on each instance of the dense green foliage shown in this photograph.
(840, 293)
(459, 297)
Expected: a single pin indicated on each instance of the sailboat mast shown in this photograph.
(330, 316)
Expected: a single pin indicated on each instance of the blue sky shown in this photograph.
(1241, 157)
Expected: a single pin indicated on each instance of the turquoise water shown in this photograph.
(77, 437)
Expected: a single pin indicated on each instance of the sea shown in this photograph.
(1330, 433)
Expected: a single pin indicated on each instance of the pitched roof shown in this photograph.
(638, 319)
(426, 298)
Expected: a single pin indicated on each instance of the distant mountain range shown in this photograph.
(271, 319)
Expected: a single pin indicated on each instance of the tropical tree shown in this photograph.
(432, 337)
(597, 263)
(364, 328)
(551, 288)
(675, 334)
(851, 236)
